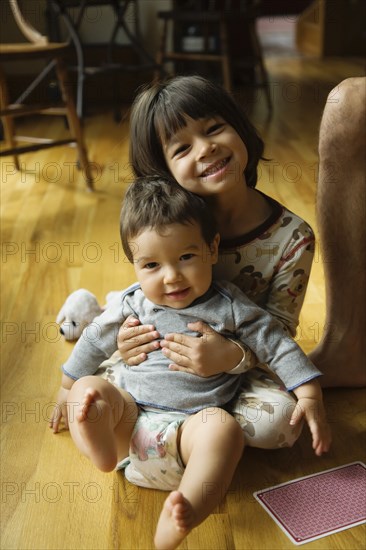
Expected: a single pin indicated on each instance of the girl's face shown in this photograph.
(207, 156)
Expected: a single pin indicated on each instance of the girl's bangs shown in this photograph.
(173, 108)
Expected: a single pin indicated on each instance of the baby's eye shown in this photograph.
(186, 257)
(151, 265)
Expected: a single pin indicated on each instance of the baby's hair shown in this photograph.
(159, 110)
(154, 203)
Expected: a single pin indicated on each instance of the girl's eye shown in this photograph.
(150, 265)
(215, 127)
(180, 150)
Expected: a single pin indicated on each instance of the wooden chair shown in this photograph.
(215, 20)
(71, 14)
(39, 48)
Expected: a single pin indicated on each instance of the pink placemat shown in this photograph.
(314, 506)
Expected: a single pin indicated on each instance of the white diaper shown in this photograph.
(154, 460)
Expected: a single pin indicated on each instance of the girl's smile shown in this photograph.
(204, 152)
(216, 168)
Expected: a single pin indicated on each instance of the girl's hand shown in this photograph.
(135, 341)
(204, 356)
(313, 411)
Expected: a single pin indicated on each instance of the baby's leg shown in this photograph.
(211, 445)
(101, 421)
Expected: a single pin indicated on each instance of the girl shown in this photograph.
(193, 131)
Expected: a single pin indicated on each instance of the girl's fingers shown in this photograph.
(182, 369)
(130, 332)
(179, 359)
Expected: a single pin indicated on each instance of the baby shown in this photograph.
(173, 430)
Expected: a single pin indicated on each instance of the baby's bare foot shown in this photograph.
(176, 520)
(96, 430)
(86, 411)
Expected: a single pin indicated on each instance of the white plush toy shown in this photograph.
(78, 311)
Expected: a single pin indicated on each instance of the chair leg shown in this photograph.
(73, 121)
(158, 73)
(225, 64)
(8, 123)
(258, 54)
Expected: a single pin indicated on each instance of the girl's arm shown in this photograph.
(206, 356)
(290, 280)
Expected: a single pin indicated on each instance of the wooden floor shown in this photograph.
(56, 238)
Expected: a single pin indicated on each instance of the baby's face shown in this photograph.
(174, 267)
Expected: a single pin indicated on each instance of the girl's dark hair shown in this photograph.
(155, 203)
(159, 111)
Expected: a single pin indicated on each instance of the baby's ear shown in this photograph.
(214, 248)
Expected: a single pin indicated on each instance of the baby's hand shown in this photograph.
(60, 410)
(312, 410)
